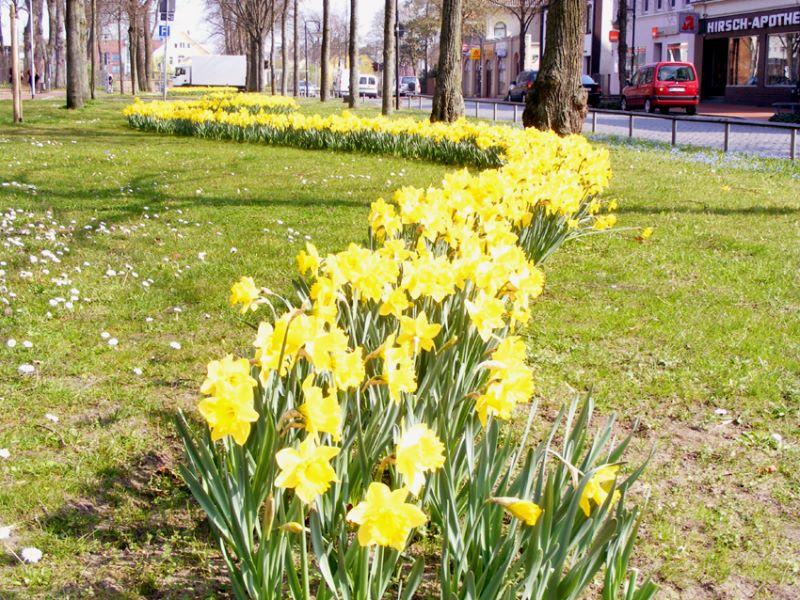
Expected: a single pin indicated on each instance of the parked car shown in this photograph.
(662, 86)
(368, 86)
(308, 89)
(409, 86)
(520, 86)
(592, 89)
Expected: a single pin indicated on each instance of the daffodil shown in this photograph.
(307, 469)
(418, 451)
(526, 511)
(597, 488)
(417, 333)
(246, 293)
(385, 518)
(321, 411)
(229, 408)
(399, 373)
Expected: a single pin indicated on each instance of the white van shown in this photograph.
(368, 86)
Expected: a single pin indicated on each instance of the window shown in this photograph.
(647, 75)
(659, 4)
(743, 61)
(589, 17)
(783, 59)
(501, 75)
(672, 3)
(500, 30)
(678, 52)
(675, 73)
(645, 6)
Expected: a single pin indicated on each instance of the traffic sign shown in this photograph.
(163, 32)
(166, 10)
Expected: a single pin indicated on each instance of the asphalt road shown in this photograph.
(743, 138)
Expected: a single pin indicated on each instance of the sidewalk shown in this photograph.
(735, 111)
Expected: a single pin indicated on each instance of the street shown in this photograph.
(743, 138)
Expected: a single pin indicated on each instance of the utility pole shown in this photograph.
(30, 42)
(16, 92)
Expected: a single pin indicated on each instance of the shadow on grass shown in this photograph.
(141, 515)
(709, 210)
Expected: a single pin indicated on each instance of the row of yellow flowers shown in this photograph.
(377, 398)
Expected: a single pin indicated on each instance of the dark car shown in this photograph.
(520, 87)
(592, 89)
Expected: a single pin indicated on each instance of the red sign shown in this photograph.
(655, 31)
(689, 23)
(613, 35)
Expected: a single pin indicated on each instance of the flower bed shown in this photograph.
(382, 407)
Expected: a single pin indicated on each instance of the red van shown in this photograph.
(662, 86)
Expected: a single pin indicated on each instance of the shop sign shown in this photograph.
(688, 22)
(475, 54)
(764, 21)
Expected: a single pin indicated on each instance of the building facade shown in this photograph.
(491, 58)
(745, 51)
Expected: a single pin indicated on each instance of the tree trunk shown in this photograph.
(133, 41)
(523, 47)
(93, 49)
(147, 36)
(296, 52)
(141, 61)
(352, 52)
(388, 56)
(77, 80)
(622, 46)
(61, 68)
(119, 51)
(558, 99)
(448, 101)
(272, 49)
(16, 87)
(52, 34)
(284, 50)
(325, 59)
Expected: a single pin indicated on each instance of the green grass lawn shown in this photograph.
(696, 332)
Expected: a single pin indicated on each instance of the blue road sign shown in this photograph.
(163, 31)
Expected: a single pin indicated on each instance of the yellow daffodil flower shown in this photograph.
(246, 293)
(321, 411)
(417, 333)
(307, 470)
(418, 451)
(526, 511)
(596, 490)
(385, 518)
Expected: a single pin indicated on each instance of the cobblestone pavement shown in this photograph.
(771, 142)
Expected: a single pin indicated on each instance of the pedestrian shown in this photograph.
(110, 84)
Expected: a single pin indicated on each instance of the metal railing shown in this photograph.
(727, 123)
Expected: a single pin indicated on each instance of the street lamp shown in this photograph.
(305, 32)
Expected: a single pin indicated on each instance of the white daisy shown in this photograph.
(31, 555)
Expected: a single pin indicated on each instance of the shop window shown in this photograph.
(743, 60)
(501, 75)
(783, 59)
(678, 52)
(500, 30)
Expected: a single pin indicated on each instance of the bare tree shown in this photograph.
(325, 75)
(389, 19)
(448, 101)
(93, 48)
(272, 48)
(558, 100)
(252, 19)
(77, 80)
(352, 52)
(524, 11)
